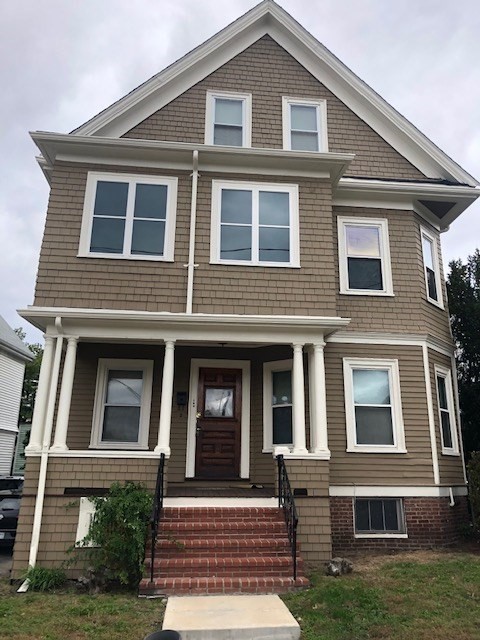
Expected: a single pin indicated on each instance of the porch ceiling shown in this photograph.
(143, 326)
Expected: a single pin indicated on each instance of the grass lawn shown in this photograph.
(414, 596)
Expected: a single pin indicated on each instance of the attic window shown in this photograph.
(128, 216)
(305, 125)
(228, 119)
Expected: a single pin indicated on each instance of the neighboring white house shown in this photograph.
(13, 357)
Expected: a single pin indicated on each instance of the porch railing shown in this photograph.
(286, 501)
(156, 511)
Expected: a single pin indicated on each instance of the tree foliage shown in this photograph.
(463, 286)
(30, 381)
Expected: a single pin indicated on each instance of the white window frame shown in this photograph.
(255, 188)
(268, 369)
(246, 99)
(401, 533)
(436, 268)
(386, 265)
(398, 446)
(132, 180)
(104, 366)
(321, 110)
(446, 374)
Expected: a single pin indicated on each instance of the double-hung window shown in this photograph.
(129, 216)
(446, 411)
(228, 119)
(277, 404)
(364, 256)
(304, 125)
(431, 266)
(254, 224)
(373, 406)
(122, 404)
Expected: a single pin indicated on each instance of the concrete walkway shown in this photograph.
(230, 618)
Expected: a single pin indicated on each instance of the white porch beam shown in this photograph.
(163, 445)
(299, 436)
(60, 441)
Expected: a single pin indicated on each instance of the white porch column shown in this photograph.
(60, 441)
(298, 385)
(318, 404)
(163, 445)
(38, 420)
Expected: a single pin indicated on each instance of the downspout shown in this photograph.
(47, 436)
(191, 247)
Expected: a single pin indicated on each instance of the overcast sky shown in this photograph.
(62, 61)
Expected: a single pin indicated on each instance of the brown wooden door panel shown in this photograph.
(217, 451)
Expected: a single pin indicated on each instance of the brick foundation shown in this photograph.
(430, 522)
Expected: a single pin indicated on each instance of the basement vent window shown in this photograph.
(379, 517)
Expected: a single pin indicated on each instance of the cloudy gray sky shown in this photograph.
(62, 61)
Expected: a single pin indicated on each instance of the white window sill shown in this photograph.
(246, 263)
(380, 535)
(436, 303)
(118, 256)
(122, 446)
(450, 452)
(362, 292)
(375, 450)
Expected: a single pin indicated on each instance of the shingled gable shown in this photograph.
(268, 18)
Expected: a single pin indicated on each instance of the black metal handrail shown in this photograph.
(286, 501)
(156, 511)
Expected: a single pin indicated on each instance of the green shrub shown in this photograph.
(474, 489)
(45, 578)
(115, 543)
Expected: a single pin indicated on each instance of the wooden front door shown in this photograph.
(218, 427)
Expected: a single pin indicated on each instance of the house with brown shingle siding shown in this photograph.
(241, 265)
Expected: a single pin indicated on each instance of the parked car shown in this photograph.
(10, 494)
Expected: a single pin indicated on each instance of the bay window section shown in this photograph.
(254, 224)
(373, 406)
(364, 257)
(128, 216)
(446, 411)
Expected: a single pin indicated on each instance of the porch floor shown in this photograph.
(223, 490)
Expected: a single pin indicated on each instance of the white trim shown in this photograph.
(386, 267)
(391, 366)
(407, 340)
(104, 366)
(321, 118)
(245, 98)
(132, 180)
(255, 188)
(446, 374)
(196, 364)
(457, 414)
(271, 503)
(381, 535)
(268, 17)
(386, 491)
(268, 369)
(99, 453)
(436, 267)
(431, 418)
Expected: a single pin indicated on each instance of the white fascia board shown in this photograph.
(387, 491)
(405, 196)
(178, 155)
(269, 18)
(150, 326)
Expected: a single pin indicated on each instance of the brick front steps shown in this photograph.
(217, 550)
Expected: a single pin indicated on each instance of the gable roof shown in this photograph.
(9, 341)
(268, 18)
